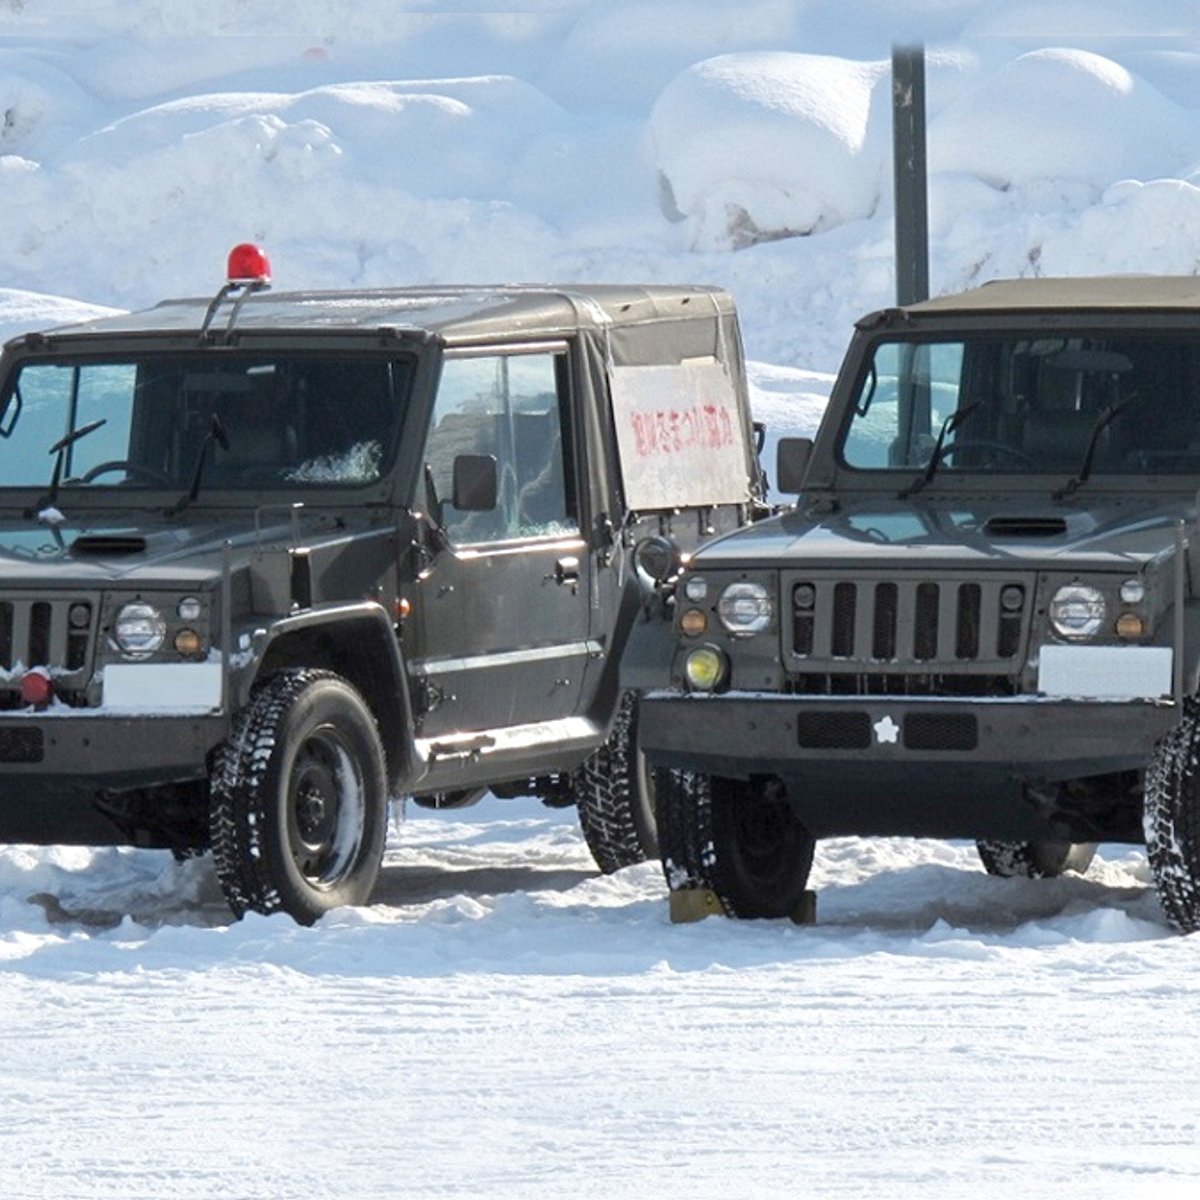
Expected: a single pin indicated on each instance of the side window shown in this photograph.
(506, 406)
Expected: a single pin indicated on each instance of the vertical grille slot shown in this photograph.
(925, 635)
(883, 643)
(79, 628)
(39, 635)
(804, 598)
(845, 603)
(6, 635)
(970, 607)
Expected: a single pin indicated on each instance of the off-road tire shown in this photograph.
(298, 799)
(614, 793)
(1034, 860)
(739, 839)
(1171, 821)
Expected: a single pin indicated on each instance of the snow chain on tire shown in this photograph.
(1171, 821)
(610, 789)
(238, 777)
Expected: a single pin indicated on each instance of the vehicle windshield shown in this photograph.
(1087, 405)
(285, 420)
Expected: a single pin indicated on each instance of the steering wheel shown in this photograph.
(139, 470)
(1002, 448)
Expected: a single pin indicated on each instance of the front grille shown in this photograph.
(834, 730)
(940, 731)
(46, 633)
(905, 624)
(20, 744)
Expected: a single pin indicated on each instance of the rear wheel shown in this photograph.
(298, 807)
(1034, 860)
(615, 795)
(740, 839)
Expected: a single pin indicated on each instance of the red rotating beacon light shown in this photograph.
(248, 264)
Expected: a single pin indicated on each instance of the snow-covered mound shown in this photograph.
(752, 147)
(21, 312)
(1063, 115)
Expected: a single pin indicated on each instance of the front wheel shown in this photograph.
(1034, 860)
(298, 799)
(741, 839)
(1171, 821)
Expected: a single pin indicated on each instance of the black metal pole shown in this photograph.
(908, 157)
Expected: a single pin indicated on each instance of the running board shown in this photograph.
(481, 744)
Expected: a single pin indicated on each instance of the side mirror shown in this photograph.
(791, 463)
(475, 487)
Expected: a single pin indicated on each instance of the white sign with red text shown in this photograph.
(680, 435)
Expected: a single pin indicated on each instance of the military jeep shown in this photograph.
(267, 560)
(981, 619)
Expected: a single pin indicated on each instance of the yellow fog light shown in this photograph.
(189, 643)
(1130, 625)
(693, 622)
(705, 668)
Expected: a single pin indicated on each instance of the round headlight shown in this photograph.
(745, 608)
(139, 630)
(705, 668)
(1077, 611)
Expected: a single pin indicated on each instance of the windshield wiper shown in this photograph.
(949, 425)
(1085, 468)
(60, 448)
(216, 433)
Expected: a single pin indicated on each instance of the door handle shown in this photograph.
(566, 570)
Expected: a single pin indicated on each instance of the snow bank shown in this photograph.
(1062, 115)
(21, 312)
(752, 147)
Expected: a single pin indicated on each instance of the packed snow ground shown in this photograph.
(502, 1021)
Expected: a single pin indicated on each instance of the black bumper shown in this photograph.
(903, 765)
(54, 767)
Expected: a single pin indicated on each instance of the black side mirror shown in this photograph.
(475, 488)
(791, 463)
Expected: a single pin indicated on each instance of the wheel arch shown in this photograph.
(359, 644)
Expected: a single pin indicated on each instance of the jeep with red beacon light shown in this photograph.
(268, 559)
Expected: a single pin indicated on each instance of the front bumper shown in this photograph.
(904, 765)
(111, 751)
(56, 770)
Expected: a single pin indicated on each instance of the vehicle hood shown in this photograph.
(77, 553)
(1110, 532)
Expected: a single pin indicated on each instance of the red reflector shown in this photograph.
(248, 263)
(36, 688)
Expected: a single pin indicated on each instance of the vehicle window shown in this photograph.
(1128, 404)
(506, 406)
(289, 421)
(909, 391)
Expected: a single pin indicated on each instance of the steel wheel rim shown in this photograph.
(326, 809)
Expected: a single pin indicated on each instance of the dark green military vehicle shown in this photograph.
(981, 619)
(269, 559)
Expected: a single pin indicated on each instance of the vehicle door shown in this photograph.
(502, 607)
